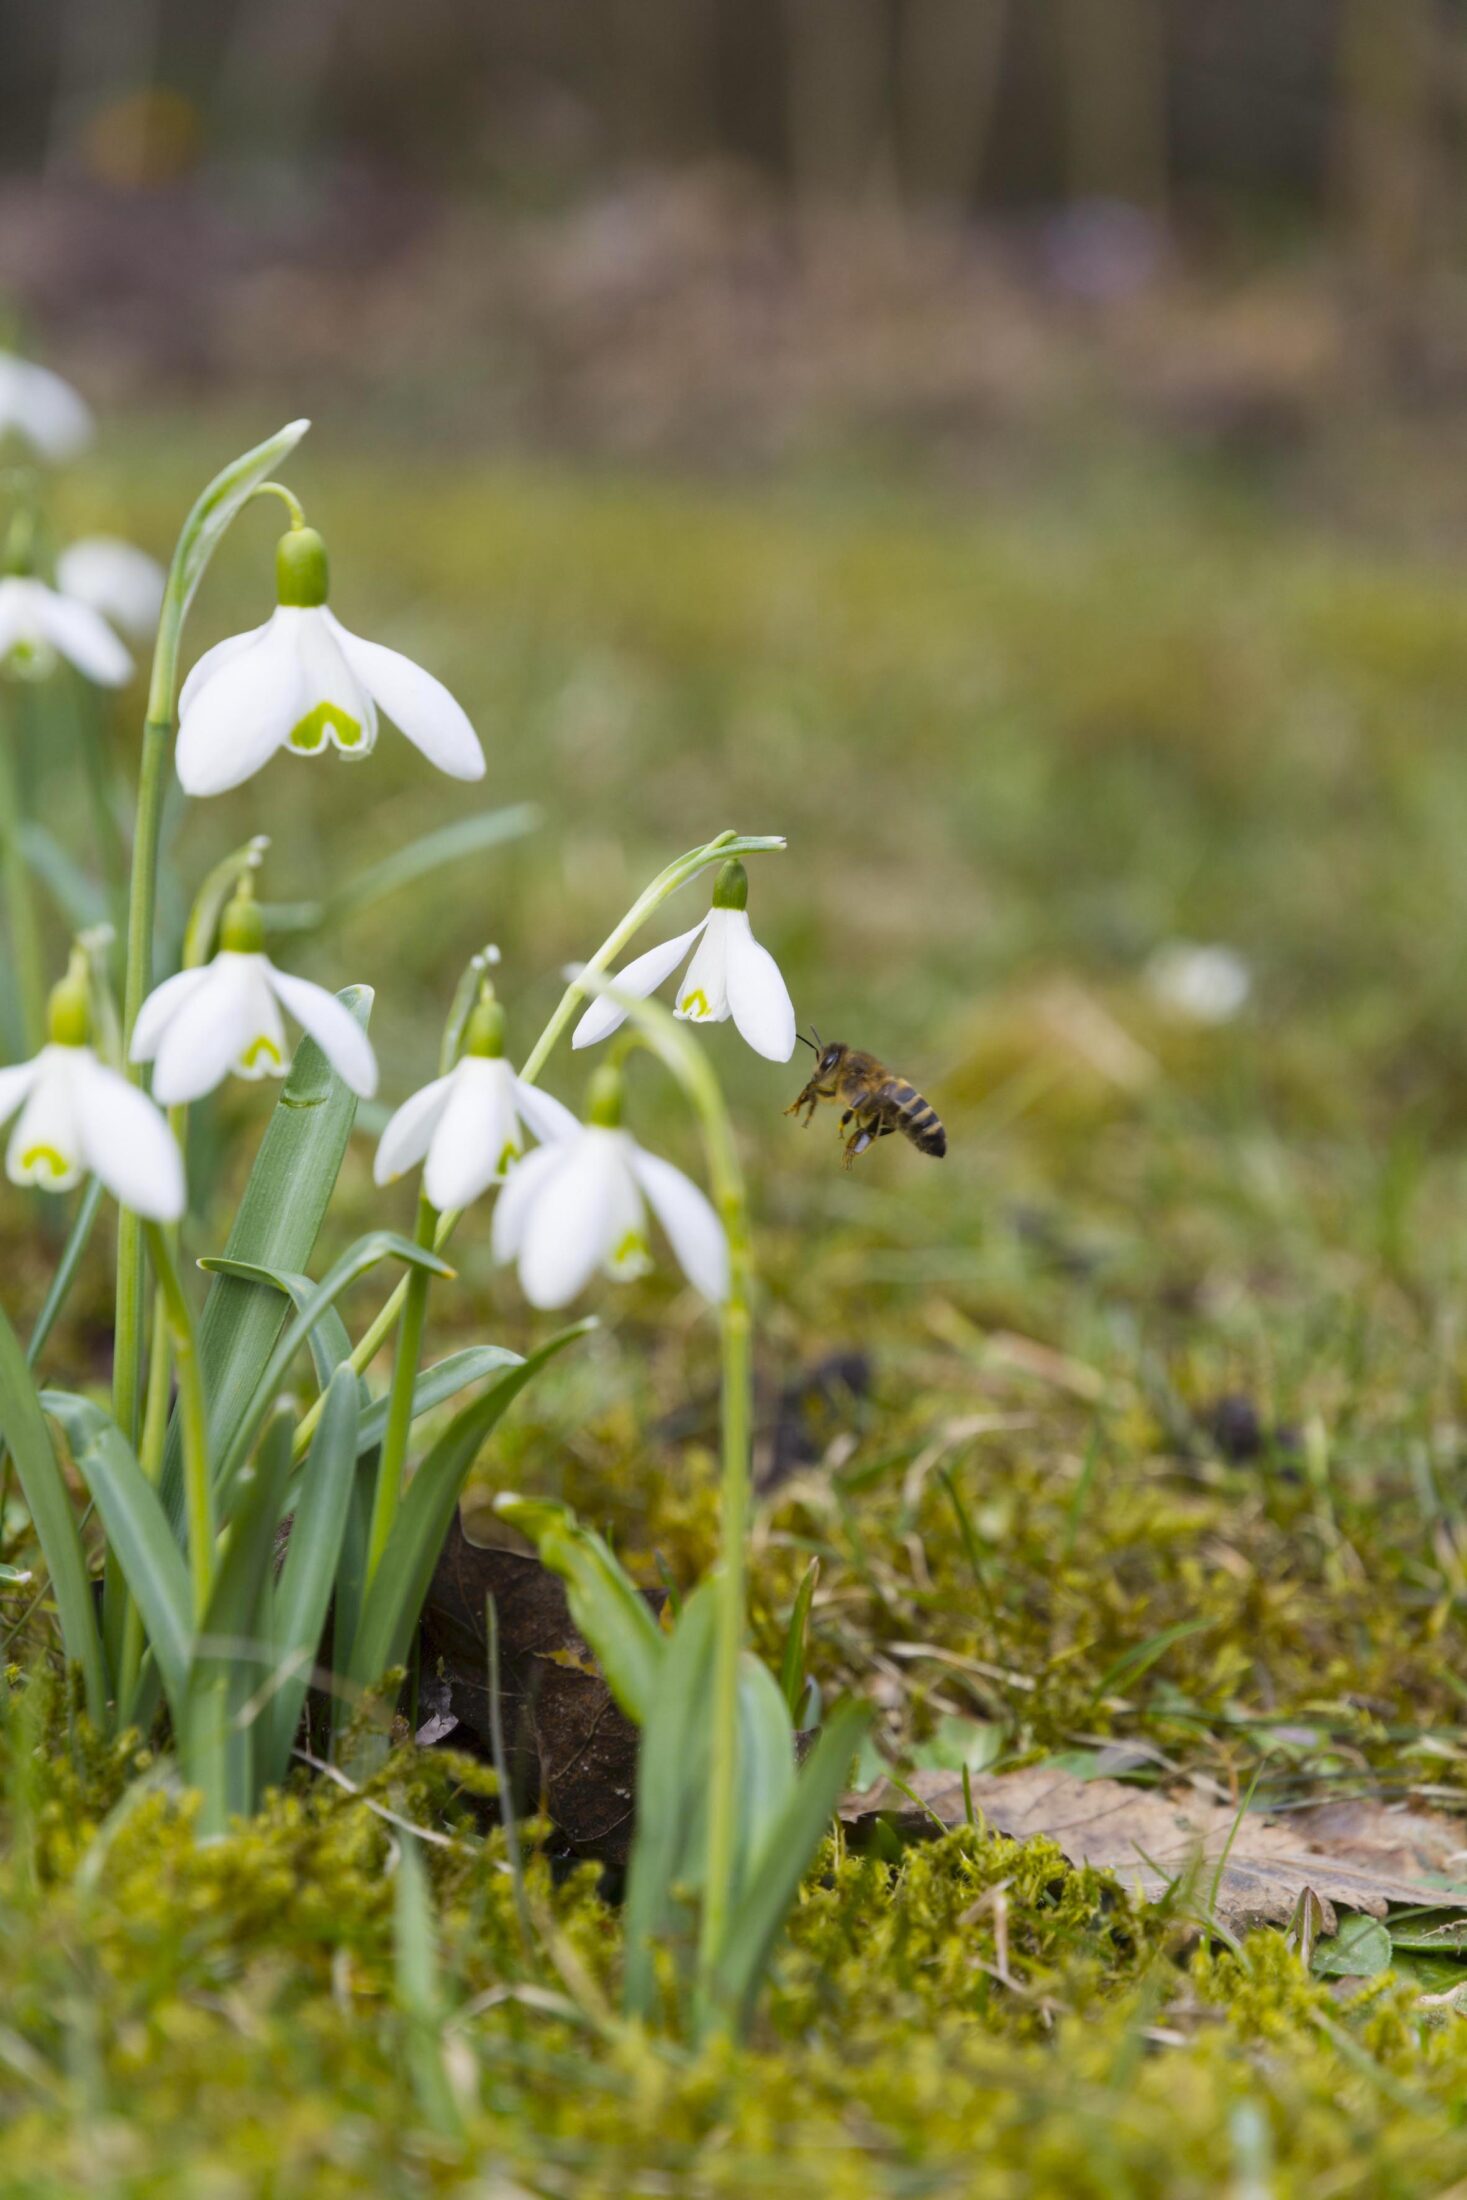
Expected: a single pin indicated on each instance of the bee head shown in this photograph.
(831, 1057)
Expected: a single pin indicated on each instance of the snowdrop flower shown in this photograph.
(580, 1203)
(196, 1027)
(39, 624)
(730, 975)
(1208, 985)
(302, 683)
(41, 409)
(121, 582)
(77, 1117)
(468, 1124)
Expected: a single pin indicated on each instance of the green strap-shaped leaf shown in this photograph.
(137, 1531)
(329, 1342)
(436, 1385)
(781, 1861)
(672, 1790)
(43, 1486)
(605, 1603)
(303, 1592)
(231, 1659)
(422, 858)
(395, 1595)
(290, 1185)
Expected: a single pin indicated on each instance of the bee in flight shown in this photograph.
(876, 1100)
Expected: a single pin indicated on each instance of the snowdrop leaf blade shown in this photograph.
(80, 902)
(672, 1785)
(328, 1340)
(426, 857)
(418, 705)
(640, 977)
(395, 1598)
(67, 1268)
(23, 1426)
(303, 1593)
(221, 502)
(687, 1215)
(126, 1141)
(152, 1563)
(436, 1385)
(758, 996)
(333, 1027)
(276, 1225)
(605, 1603)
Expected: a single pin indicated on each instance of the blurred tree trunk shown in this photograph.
(950, 63)
(838, 71)
(664, 78)
(1114, 71)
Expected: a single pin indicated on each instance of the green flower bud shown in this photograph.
(69, 1012)
(731, 887)
(604, 1101)
(484, 1033)
(242, 928)
(301, 575)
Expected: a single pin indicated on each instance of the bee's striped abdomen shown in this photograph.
(915, 1117)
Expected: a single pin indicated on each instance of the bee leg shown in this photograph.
(863, 1137)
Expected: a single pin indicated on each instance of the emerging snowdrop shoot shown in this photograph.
(304, 684)
(730, 975)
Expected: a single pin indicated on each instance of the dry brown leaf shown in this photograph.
(1359, 1856)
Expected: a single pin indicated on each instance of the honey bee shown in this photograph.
(876, 1100)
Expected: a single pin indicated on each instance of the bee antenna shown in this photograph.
(804, 1042)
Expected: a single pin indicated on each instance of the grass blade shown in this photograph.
(792, 1663)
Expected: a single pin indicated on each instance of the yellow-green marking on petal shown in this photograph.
(261, 1058)
(40, 1162)
(509, 1152)
(695, 1004)
(327, 722)
(632, 1254)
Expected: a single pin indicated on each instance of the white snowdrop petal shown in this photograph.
(45, 1146)
(476, 1135)
(214, 660)
(338, 710)
(757, 994)
(628, 1251)
(115, 578)
(204, 1035)
(418, 705)
(702, 998)
(47, 411)
(523, 1187)
(17, 614)
(260, 1045)
(83, 636)
(640, 977)
(126, 1141)
(15, 1083)
(405, 1140)
(693, 1229)
(567, 1232)
(546, 1116)
(333, 1027)
(158, 1010)
(241, 716)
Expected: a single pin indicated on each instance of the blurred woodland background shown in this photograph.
(723, 230)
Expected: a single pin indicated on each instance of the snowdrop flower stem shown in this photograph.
(393, 1456)
(201, 533)
(721, 849)
(27, 959)
(659, 1031)
(198, 1486)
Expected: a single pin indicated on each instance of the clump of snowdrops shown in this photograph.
(201, 1464)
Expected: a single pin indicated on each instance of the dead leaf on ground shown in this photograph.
(1360, 1856)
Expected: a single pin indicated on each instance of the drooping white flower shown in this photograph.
(1208, 985)
(580, 1203)
(200, 1024)
(302, 683)
(76, 1117)
(39, 624)
(468, 1124)
(730, 975)
(41, 409)
(120, 581)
